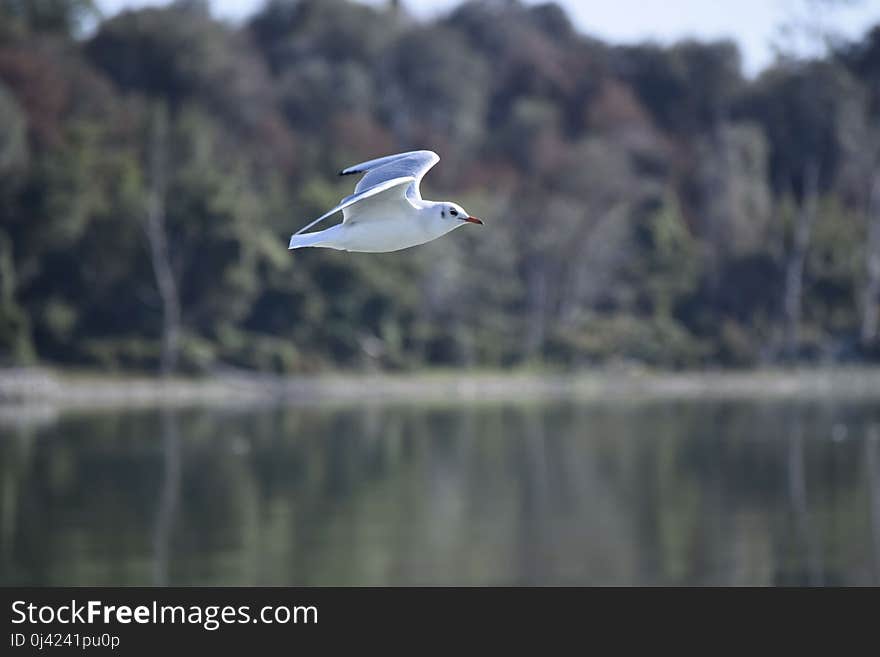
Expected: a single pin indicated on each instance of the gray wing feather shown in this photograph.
(413, 163)
(348, 201)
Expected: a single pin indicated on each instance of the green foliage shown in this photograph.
(64, 16)
(806, 110)
(670, 259)
(15, 339)
(13, 138)
(659, 341)
(640, 201)
(690, 85)
(834, 270)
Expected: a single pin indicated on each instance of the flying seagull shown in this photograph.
(386, 211)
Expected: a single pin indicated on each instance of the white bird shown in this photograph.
(386, 211)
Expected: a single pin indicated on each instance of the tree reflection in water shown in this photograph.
(872, 449)
(169, 495)
(603, 493)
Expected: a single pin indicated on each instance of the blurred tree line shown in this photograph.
(644, 203)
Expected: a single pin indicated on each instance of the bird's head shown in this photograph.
(455, 213)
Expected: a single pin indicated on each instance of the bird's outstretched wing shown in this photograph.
(348, 201)
(382, 169)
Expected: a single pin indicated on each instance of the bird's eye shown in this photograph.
(454, 213)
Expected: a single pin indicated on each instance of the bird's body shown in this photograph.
(377, 227)
(387, 212)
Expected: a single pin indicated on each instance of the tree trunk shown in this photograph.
(584, 264)
(794, 266)
(158, 241)
(870, 310)
(720, 213)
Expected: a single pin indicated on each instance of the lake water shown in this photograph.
(652, 493)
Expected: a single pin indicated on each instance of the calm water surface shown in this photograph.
(603, 493)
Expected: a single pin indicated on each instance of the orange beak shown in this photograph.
(474, 220)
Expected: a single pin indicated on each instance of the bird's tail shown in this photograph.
(308, 239)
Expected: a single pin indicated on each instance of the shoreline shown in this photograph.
(40, 386)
